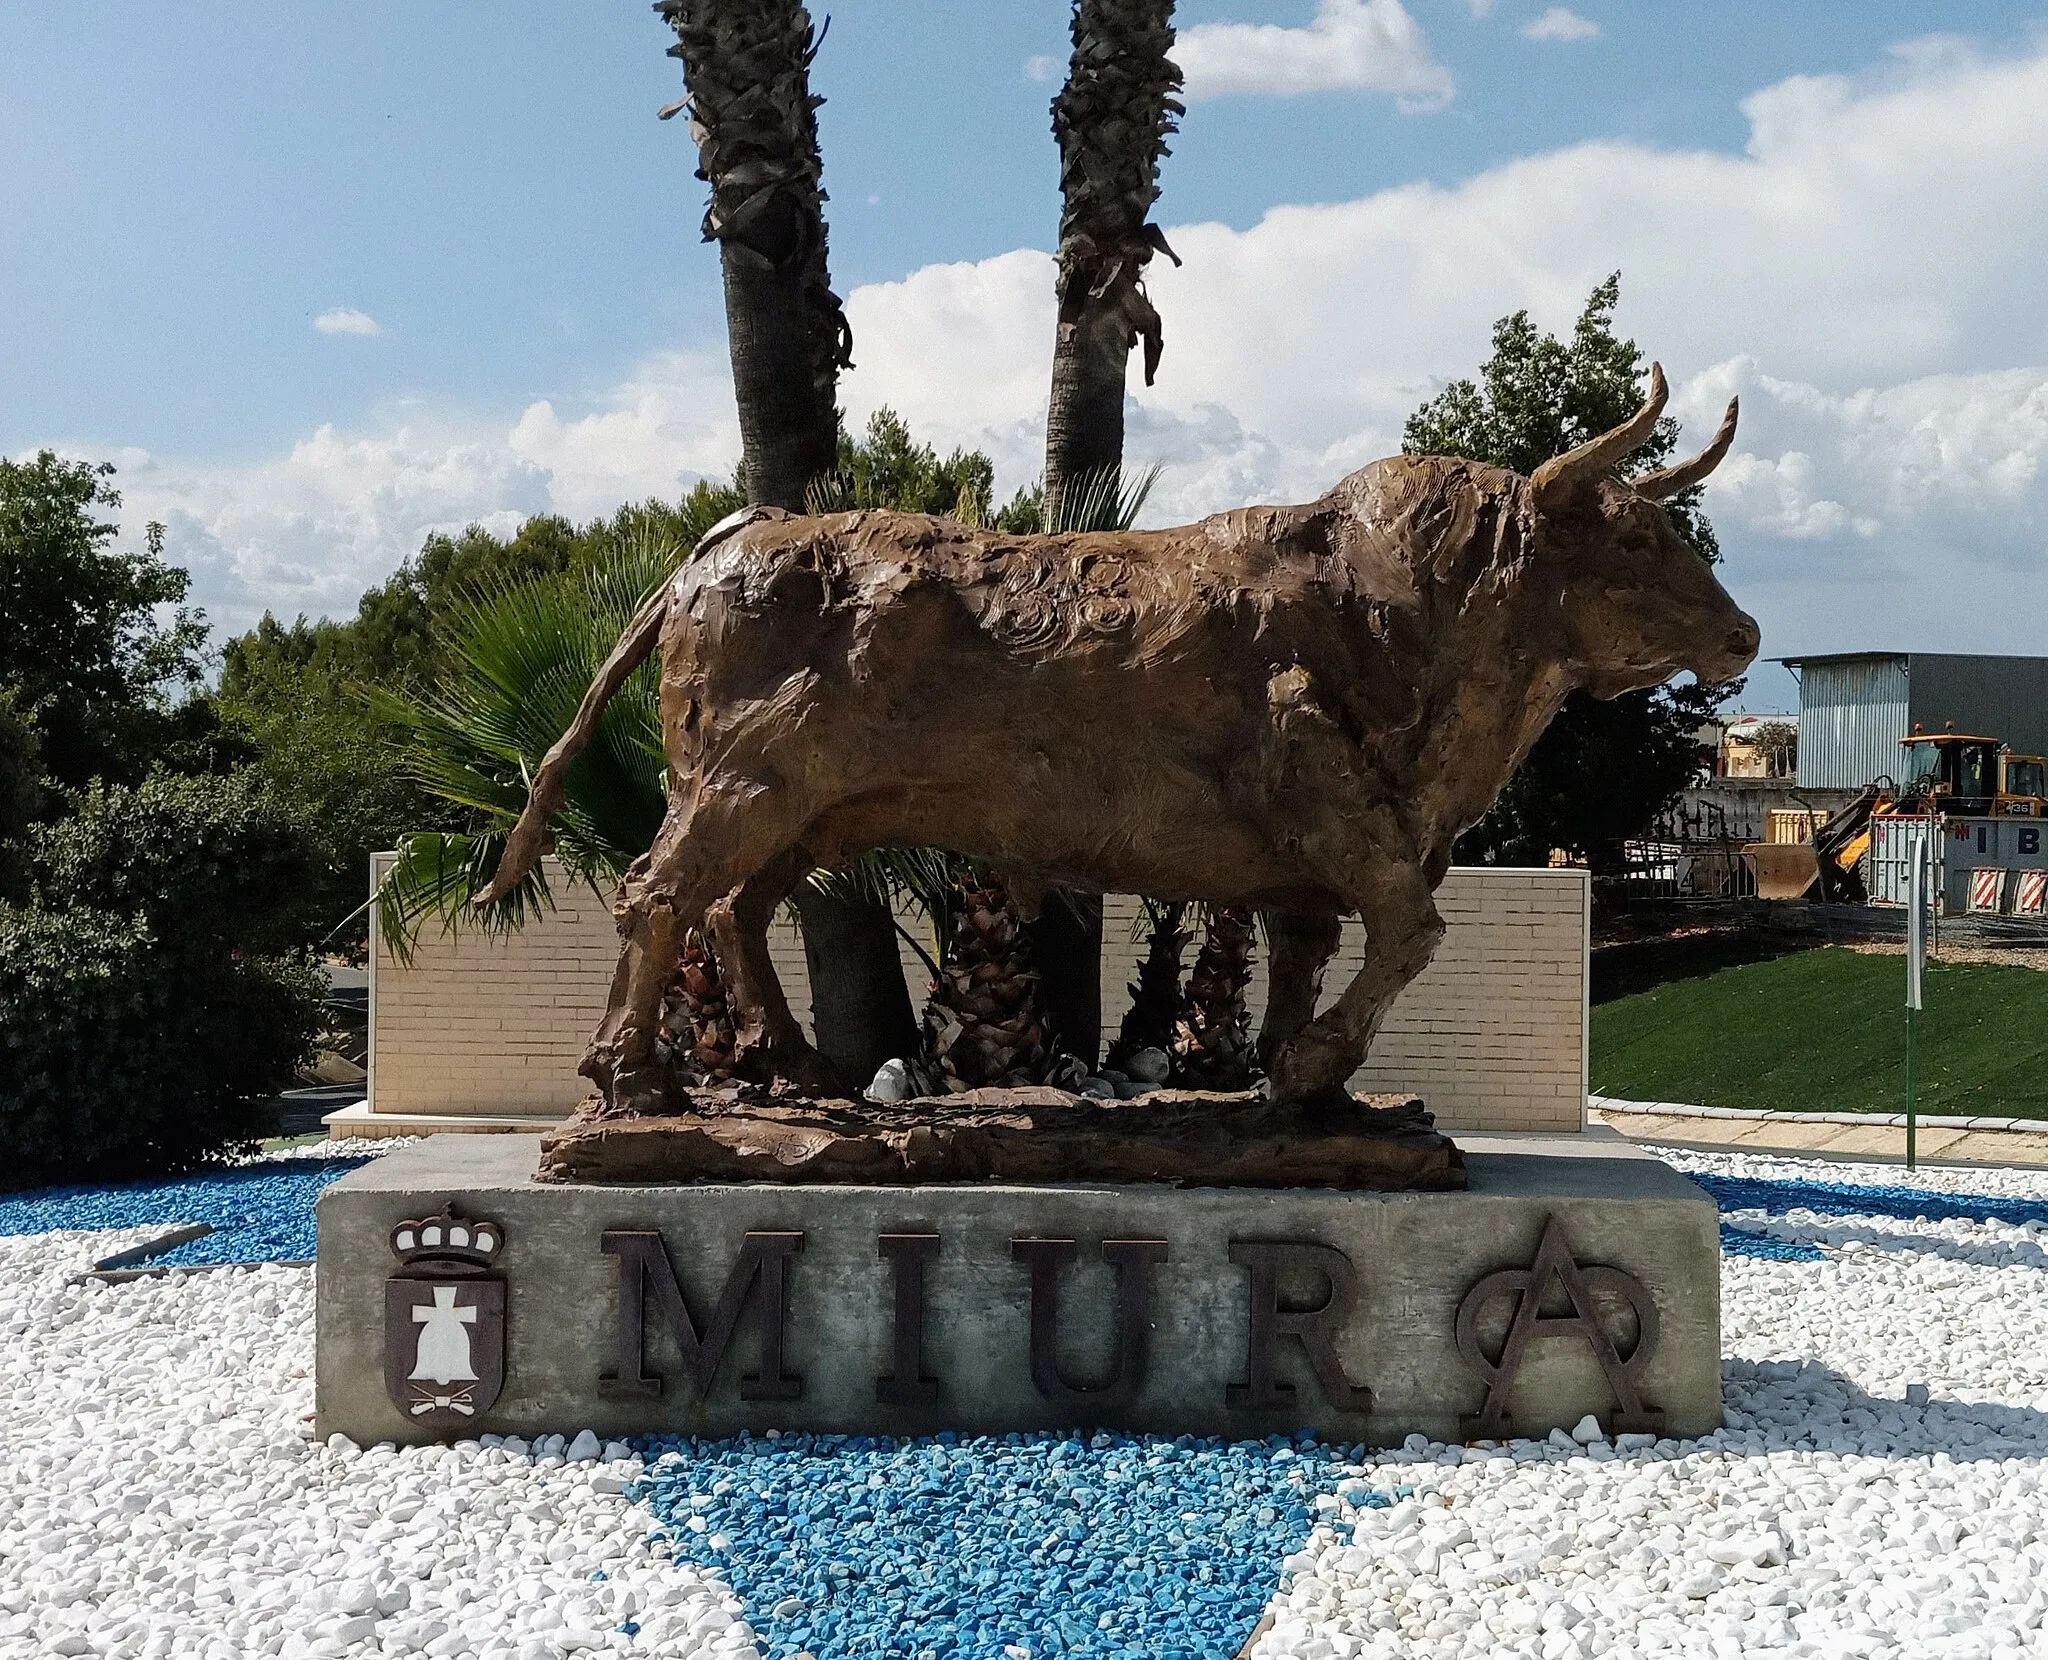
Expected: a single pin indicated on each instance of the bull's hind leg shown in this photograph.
(703, 855)
(770, 1044)
(1299, 945)
(1402, 930)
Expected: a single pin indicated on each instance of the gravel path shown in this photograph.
(1877, 1492)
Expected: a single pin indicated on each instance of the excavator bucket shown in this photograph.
(1784, 870)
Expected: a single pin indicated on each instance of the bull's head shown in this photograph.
(1638, 604)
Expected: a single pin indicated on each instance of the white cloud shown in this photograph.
(343, 319)
(1350, 45)
(1562, 23)
(1479, 8)
(1852, 273)
(1040, 68)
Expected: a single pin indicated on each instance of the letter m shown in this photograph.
(644, 1267)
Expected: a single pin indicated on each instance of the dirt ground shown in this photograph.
(2009, 956)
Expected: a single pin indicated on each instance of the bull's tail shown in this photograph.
(529, 838)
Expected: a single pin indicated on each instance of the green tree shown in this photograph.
(321, 748)
(886, 467)
(303, 700)
(391, 640)
(1603, 770)
(21, 788)
(81, 637)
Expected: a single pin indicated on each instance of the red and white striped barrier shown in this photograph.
(1985, 885)
(2030, 895)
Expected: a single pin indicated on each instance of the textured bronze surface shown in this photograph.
(1580, 1287)
(1132, 1259)
(644, 1264)
(1377, 1142)
(1292, 708)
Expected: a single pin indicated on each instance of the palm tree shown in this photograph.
(746, 70)
(517, 661)
(1111, 120)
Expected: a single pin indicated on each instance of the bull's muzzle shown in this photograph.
(1738, 651)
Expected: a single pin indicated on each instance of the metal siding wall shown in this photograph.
(1995, 697)
(1851, 718)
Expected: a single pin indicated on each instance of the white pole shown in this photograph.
(1919, 898)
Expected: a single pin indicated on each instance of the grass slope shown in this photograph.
(1825, 1031)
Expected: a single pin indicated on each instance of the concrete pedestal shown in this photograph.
(872, 1310)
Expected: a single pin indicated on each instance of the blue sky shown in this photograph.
(487, 187)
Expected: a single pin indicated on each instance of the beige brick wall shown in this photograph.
(1493, 1033)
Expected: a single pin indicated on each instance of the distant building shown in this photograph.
(1757, 746)
(1856, 707)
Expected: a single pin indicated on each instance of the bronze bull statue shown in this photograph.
(1294, 708)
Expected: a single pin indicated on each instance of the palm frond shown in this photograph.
(434, 875)
(1103, 499)
(520, 658)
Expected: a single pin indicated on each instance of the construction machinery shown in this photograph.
(1970, 789)
(1952, 773)
(2022, 785)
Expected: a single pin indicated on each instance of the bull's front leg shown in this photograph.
(1402, 930)
(1299, 945)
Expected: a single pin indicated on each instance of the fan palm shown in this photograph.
(519, 660)
(753, 116)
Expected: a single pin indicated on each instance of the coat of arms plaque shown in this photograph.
(444, 1320)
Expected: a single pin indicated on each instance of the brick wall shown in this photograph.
(1493, 1033)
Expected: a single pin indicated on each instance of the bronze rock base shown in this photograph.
(742, 1133)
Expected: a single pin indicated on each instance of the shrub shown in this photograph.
(213, 864)
(148, 1007)
(122, 1056)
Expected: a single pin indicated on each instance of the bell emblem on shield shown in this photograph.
(444, 1320)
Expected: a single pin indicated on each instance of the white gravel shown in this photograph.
(157, 1496)
(1830, 1518)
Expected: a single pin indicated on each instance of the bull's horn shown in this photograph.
(1564, 475)
(1688, 473)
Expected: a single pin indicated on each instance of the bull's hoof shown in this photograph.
(637, 1092)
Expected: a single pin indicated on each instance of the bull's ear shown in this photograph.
(1688, 473)
(1560, 479)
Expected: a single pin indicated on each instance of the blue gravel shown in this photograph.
(1746, 1242)
(259, 1212)
(1775, 1198)
(950, 1549)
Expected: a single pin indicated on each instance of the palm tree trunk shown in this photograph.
(861, 1013)
(1066, 943)
(1111, 120)
(746, 66)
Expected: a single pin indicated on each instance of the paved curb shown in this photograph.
(1873, 1120)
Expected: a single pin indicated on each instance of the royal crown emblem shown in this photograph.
(444, 1320)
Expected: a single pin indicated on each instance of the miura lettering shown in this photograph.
(1296, 1290)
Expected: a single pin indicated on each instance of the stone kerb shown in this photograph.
(1210, 1268)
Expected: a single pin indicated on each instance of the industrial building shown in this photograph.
(1856, 707)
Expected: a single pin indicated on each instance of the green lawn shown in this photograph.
(1825, 1031)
